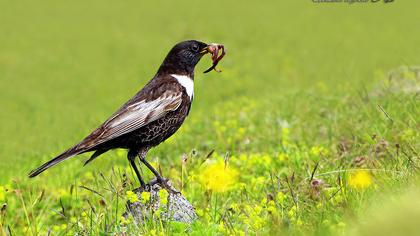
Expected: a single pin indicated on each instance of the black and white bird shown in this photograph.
(152, 115)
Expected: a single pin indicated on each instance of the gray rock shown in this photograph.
(177, 207)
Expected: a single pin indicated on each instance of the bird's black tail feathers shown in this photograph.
(63, 156)
(95, 155)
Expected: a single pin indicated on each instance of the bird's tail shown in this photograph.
(63, 156)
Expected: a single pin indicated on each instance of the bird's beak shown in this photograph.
(205, 50)
(209, 49)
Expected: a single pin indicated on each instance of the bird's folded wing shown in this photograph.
(137, 115)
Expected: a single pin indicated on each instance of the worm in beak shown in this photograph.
(214, 49)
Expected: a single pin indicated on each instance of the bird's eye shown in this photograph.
(194, 47)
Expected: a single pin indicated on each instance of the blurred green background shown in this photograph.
(65, 66)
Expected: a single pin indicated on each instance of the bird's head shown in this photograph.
(184, 56)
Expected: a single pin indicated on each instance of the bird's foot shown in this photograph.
(166, 184)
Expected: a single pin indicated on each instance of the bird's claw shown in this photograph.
(165, 184)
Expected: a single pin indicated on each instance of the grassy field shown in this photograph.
(314, 119)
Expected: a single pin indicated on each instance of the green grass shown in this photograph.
(302, 84)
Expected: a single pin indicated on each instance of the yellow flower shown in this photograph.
(235, 207)
(292, 211)
(283, 157)
(257, 210)
(145, 196)
(266, 159)
(163, 195)
(84, 214)
(280, 198)
(199, 212)
(271, 207)
(360, 179)
(125, 221)
(257, 222)
(318, 151)
(131, 196)
(218, 177)
(222, 228)
(241, 132)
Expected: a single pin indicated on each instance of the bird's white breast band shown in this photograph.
(186, 82)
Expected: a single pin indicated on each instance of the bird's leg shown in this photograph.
(131, 157)
(160, 180)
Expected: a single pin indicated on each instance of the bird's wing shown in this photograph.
(136, 113)
(134, 116)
